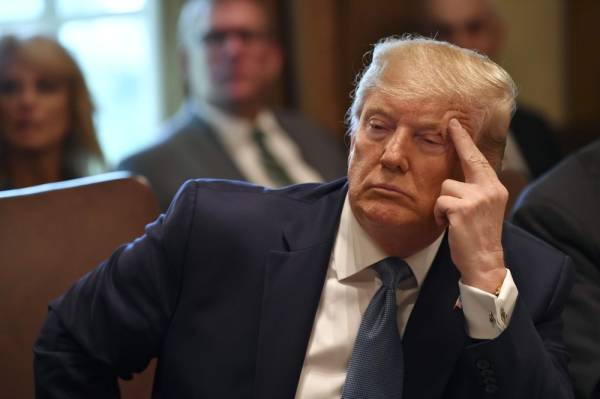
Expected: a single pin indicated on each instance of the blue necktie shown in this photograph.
(376, 368)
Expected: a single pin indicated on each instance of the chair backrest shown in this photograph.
(51, 235)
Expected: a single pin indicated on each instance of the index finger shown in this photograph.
(474, 164)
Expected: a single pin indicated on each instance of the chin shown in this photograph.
(388, 214)
(241, 92)
(33, 143)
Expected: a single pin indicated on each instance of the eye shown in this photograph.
(47, 85)
(431, 142)
(214, 38)
(377, 126)
(8, 87)
(437, 140)
(476, 26)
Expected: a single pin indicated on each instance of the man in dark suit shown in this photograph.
(397, 282)
(562, 208)
(225, 129)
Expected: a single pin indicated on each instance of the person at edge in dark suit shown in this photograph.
(225, 129)
(531, 147)
(400, 281)
(561, 207)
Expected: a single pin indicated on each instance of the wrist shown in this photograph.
(488, 281)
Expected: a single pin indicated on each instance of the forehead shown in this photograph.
(43, 57)
(22, 68)
(422, 113)
(237, 14)
(380, 101)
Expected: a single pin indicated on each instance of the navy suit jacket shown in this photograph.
(562, 208)
(225, 298)
(536, 140)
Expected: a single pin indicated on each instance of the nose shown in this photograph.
(27, 96)
(396, 150)
(233, 45)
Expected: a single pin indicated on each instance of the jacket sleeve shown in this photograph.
(529, 359)
(566, 231)
(111, 322)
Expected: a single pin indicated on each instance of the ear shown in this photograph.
(184, 62)
(351, 150)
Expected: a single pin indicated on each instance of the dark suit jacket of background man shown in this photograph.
(563, 208)
(224, 290)
(536, 140)
(192, 149)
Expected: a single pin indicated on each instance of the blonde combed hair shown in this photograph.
(421, 69)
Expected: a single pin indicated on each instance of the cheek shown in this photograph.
(359, 163)
(8, 109)
(431, 181)
(61, 103)
(358, 169)
(58, 116)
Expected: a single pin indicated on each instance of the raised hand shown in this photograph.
(474, 212)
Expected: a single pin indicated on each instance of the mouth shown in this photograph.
(390, 191)
(26, 122)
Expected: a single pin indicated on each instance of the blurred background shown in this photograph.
(128, 50)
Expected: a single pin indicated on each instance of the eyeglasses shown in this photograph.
(246, 36)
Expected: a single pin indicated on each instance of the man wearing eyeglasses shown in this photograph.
(231, 61)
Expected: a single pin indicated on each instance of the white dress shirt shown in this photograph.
(350, 284)
(236, 136)
(513, 159)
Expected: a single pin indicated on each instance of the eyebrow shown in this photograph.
(379, 110)
(424, 124)
(429, 124)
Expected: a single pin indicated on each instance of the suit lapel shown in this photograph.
(210, 153)
(435, 333)
(293, 284)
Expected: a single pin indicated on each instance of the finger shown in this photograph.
(474, 164)
(444, 207)
(457, 188)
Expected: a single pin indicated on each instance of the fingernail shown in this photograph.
(454, 123)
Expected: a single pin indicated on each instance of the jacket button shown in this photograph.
(489, 380)
(482, 364)
(487, 372)
(491, 388)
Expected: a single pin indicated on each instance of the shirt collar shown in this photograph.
(355, 250)
(229, 126)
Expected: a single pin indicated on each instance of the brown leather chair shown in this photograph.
(51, 235)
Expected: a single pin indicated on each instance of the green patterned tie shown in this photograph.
(274, 169)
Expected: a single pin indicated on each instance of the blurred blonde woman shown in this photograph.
(47, 132)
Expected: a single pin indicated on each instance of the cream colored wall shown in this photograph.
(535, 54)
(172, 86)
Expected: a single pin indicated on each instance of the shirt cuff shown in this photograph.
(488, 315)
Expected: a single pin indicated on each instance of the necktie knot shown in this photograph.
(392, 271)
